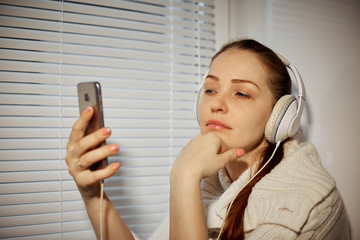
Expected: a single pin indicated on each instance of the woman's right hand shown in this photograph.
(82, 153)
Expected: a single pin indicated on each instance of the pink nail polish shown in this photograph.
(116, 166)
(106, 131)
(114, 148)
(240, 152)
(88, 109)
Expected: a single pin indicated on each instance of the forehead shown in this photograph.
(239, 64)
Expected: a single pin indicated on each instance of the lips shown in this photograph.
(216, 124)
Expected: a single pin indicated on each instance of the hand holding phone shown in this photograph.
(89, 94)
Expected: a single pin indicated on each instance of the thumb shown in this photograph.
(231, 155)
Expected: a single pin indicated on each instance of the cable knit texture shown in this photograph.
(298, 199)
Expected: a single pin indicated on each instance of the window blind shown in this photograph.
(148, 56)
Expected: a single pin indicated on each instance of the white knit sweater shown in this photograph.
(298, 199)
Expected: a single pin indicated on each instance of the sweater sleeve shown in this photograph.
(271, 231)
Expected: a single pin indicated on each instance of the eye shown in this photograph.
(209, 91)
(242, 95)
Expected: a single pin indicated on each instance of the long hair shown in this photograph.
(279, 83)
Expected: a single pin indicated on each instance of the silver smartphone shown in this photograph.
(89, 94)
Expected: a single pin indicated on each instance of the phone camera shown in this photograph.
(87, 97)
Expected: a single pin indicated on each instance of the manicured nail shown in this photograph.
(116, 166)
(114, 148)
(106, 131)
(240, 152)
(88, 109)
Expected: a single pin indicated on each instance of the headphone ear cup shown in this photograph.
(281, 119)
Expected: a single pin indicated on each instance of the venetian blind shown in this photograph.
(148, 57)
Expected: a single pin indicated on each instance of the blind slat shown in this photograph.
(30, 220)
(116, 42)
(17, 66)
(41, 4)
(134, 6)
(25, 12)
(115, 33)
(30, 187)
(31, 34)
(52, 26)
(15, 99)
(117, 13)
(25, 77)
(6, 87)
(15, 210)
(11, 144)
(29, 111)
(30, 230)
(107, 22)
(29, 132)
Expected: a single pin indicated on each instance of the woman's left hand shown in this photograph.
(201, 157)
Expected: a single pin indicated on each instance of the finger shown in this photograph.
(70, 162)
(90, 141)
(230, 155)
(78, 128)
(93, 156)
(106, 172)
(88, 178)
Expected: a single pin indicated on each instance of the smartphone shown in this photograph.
(89, 94)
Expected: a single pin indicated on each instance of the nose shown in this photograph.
(218, 104)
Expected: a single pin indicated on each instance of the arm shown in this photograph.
(187, 217)
(81, 154)
(199, 159)
(114, 226)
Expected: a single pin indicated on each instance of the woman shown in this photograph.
(214, 188)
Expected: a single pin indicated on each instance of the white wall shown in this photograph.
(321, 38)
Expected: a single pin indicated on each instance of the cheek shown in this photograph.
(201, 113)
(250, 129)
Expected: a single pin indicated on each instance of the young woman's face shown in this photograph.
(236, 101)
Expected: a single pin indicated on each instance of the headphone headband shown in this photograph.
(301, 88)
(288, 64)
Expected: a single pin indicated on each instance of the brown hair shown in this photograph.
(279, 83)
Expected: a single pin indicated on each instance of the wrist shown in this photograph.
(186, 176)
(91, 192)
(183, 186)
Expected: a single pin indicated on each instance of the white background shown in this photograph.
(321, 38)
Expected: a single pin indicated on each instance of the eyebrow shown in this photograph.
(235, 80)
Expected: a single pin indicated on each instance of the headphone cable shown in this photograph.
(232, 201)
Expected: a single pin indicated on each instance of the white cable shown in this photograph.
(101, 208)
(232, 201)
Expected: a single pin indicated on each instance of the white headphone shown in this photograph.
(284, 120)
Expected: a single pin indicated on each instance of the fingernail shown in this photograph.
(240, 152)
(106, 131)
(88, 109)
(116, 166)
(114, 148)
